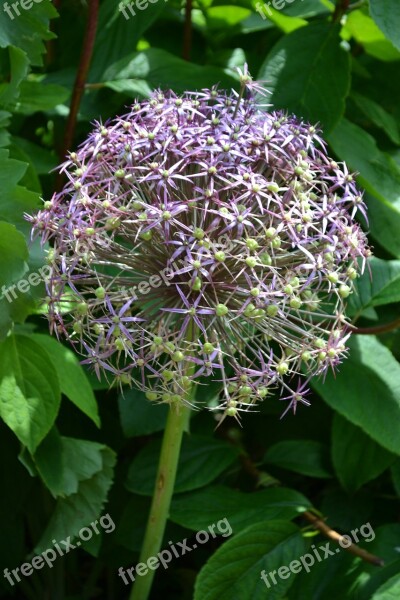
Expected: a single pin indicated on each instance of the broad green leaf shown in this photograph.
(363, 29)
(13, 256)
(386, 14)
(27, 29)
(366, 390)
(390, 590)
(378, 116)
(307, 457)
(379, 285)
(30, 180)
(285, 23)
(63, 462)
(299, 71)
(19, 64)
(252, 24)
(378, 578)
(304, 9)
(241, 509)
(131, 87)
(139, 416)
(37, 96)
(379, 175)
(11, 172)
(14, 305)
(201, 460)
(15, 200)
(87, 477)
(329, 578)
(42, 160)
(160, 69)
(29, 390)
(73, 381)
(357, 458)
(226, 16)
(119, 29)
(4, 123)
(13, 265)
(234, 570)
(382, 542)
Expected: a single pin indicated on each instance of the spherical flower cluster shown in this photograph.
(200, 236)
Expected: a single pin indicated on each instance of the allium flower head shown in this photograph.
(199, 235)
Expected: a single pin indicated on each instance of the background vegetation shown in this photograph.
(72, 449)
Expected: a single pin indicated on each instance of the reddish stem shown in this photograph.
(316, 521)
(376, 329)
(187, 34)
(81, 76)
(323, 528)
(342, 7)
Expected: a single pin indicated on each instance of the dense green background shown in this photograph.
(68, 453)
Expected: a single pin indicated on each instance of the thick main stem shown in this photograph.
(177, 422)
(80, 80)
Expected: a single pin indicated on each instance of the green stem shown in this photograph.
(177, 423)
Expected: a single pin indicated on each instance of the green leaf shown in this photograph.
(379, 285)
(87, 477)
(305, 9)
(307, 457)
(41, 159)
(130, 87)
(240, 509)
(13, 254)
(356, 457)
(64, 462)
(328, 578)
(201, 460)
(37, 96)
(367, 34)
(234, 570)
(386, 14)
(73, 381)
(139, 416)
(159, 68)
(29, 390)
(27, 29)
(367, 390)
(378, 116)
(390, 590)
(13, 265)
(19, 64)
(379, 175)
(119, 31)
(382, 542)
(11, 172)
(4, 123)
(14, 199)
(226, 16)
(299, 71)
